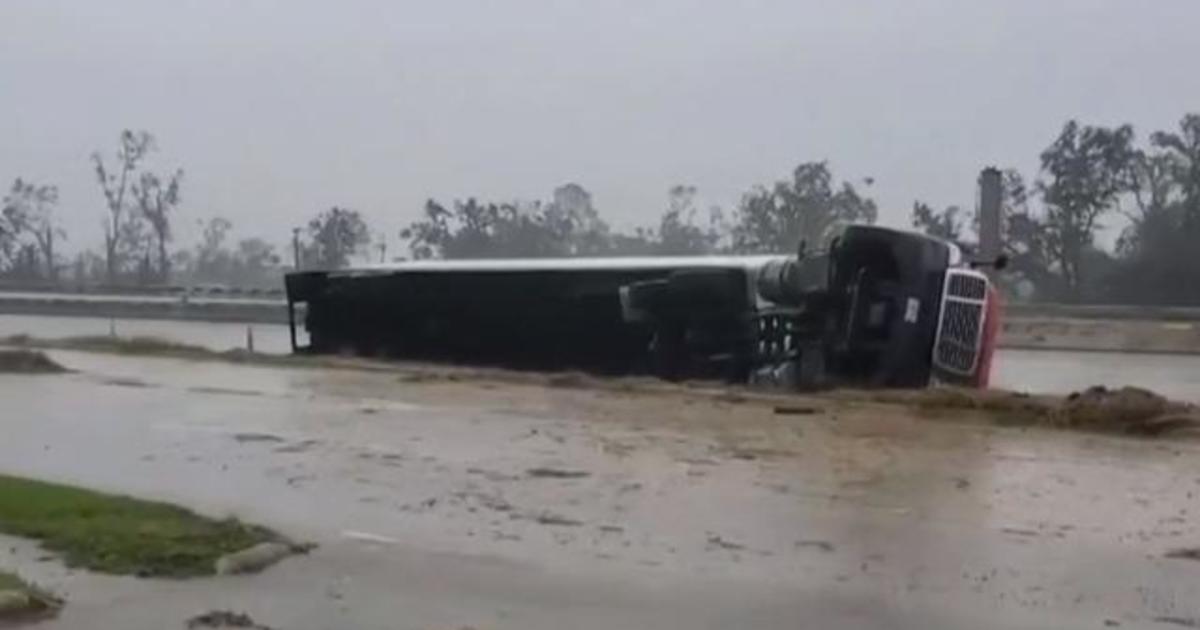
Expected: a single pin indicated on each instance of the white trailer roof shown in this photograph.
(615, 263)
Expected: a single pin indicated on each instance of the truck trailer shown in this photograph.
(876, 307)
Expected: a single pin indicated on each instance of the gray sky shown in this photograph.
(278, 109)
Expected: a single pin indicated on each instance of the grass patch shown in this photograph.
(10, 582)
(118, 534)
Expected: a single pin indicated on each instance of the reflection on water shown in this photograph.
(1051, 371)
(1038, 371)
(272, 338)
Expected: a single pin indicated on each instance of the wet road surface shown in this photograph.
(453, 504)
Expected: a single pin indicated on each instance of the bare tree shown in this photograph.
(115, 186)
(947, 224)
(156, 200)
(1181, 161)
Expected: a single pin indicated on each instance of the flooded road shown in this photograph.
(217, 336)
(474, 504)
(1036, 371)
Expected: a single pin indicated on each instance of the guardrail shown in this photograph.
(1104, 311)
(1105, 328)
(182, 307)
(143, 290)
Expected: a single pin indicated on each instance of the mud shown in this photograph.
(1184, 554)
(1129, 410)
(27, 605)
(224, 619)
(27, 362)
(1125, 410)
(556, 473)
(253, 559)
(701, 507)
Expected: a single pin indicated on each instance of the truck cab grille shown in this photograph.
(957, 346)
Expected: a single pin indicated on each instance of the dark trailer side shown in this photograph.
(879, 307)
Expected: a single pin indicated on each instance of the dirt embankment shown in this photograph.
(1126, 410)
(22, 361)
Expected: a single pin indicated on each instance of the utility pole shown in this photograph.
(296, 248)
(990, 214)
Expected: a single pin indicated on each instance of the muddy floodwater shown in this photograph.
(443, 504)
(1037, 371)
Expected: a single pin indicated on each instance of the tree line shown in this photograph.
(138, 249)
(1089, 176)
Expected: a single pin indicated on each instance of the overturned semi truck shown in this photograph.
(876, 308)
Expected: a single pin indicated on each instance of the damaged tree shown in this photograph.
(134, 146)
(156, 201)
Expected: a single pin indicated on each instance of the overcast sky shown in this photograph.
(279, 109)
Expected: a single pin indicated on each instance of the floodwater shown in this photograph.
(1053, 372)
(272, 338)
(1036, 371)
(444, 505)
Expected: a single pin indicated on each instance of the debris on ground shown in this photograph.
(20, 601)
(1185, 622)
(1127, 410)
(1192, 553)
(715, 540)
(224, 619)
(257, 437)
(258, 557)
(548, 518)
(126, 382)
(369, 537)
(298, 447)
(796, 410)
(229, 391)
(556, 473)
(28, 362)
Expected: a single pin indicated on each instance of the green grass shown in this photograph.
(118, 534)
(10, 582)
